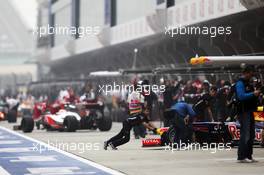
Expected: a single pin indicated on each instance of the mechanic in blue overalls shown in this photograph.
(247, 104)
(183, 113)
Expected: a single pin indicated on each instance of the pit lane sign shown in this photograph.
(18, 156)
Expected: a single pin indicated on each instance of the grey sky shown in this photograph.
(27, 10)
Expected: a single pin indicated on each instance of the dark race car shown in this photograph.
(211, 132)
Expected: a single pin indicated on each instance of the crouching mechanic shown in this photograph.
(183, 112)
(138, 114)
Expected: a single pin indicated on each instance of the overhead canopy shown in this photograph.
(247, 38)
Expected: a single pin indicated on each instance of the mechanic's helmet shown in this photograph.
(144, 85)
(247, 68)
(206, 83)
(143, 82)
(255, 80)
(227, 83)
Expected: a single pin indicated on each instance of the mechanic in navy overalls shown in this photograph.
(183, 112)
(138, 114)
(247, 104)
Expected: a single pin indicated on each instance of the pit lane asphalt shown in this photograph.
(134, 160)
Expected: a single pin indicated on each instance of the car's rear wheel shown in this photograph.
(164, 139)
(71, 124)
(87, 122)
(262, 139)
(105, 123)
(172, 137)
(27, 124)
(12, 116)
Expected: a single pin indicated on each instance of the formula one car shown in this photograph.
(93, 115)
(233, 129)
(3, 111)
(62, 117)
(67, 117)
(211, 132)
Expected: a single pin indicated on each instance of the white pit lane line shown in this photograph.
(3, 171)
(85, 161)
(10, 142)
(16, 150)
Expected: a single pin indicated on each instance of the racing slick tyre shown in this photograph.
(168, 138)
(262, 139)
(12, 116)
(38, 125)
(27, 124)
(262, 144)
(164, 139)
(171, 134)
(71, 124)
(87, 122)
(105, 123)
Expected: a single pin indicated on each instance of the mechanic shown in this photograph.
(149, 97)
(12, 103)
(88, 94)
(231, 103)
(139, 114)
(206, 86)
(221, 102)
(183, 113)
(247, 103)
(72, 97)
(203, 106)
(168, 101)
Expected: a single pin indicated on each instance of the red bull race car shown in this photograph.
(211, 132)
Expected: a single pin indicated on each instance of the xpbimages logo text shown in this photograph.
(212, 31)
(65, 30)
(80, 147)
(211, 147)
(115, 87)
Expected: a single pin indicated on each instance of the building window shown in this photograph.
(113, 13)
(52, 36)
(160, 2)
(76, 16)
(170, 3)
(53, 1)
